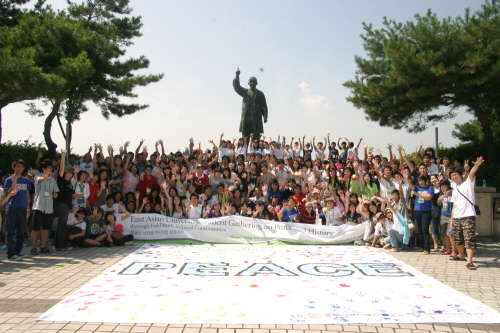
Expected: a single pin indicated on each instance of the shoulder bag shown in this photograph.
(476, 207)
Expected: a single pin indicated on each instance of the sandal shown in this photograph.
(45, 250)
(34, 251)
(446, 253)
(457, 258)
(471, 266)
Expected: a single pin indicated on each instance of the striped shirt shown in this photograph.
(44, 195)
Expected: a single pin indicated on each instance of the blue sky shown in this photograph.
(300, 51)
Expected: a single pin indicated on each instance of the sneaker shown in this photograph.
(25, 245)
(4, 247)
(425, 252)
(14, 258)
(420, 250)
(21, 255)
(387, 246)
(395, 250)
(129, 243)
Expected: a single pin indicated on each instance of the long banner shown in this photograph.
(237, 230)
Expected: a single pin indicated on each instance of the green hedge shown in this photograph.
(24, 150)
(471, 152)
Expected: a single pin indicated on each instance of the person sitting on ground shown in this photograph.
(193, 210)
(95, 235)
(215, 211)
(289, 213)
(111, 205)
(307, 212)
(113, 235)
(381, 230)
(76, 219)
(352, 217)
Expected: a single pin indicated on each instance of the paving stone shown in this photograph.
(284, 326)
(300, 327)
(334, 328)
(367, 329)
(385, 330)
(267, 326)
(460, 329)
(157, 329)
(193, 330)
(221, 330)
(208, 330)
(174, 330)
(317, 327)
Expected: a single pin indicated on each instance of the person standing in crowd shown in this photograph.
(463, 214)
(63, 204)
(17, 211)
(424, 194)
(46, 191)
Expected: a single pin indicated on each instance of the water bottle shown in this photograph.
(484, 182)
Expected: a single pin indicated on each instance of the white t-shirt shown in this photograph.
(278, 152)
(386, 187)
(257, 150)
(72, 221)
(195, 212)
(379, 228)
(331, 215)
(352, 152)
(113, 209)
(288, 154)
(461, 206)
(432, 169)
(319, 152)
(241, 150)
(224, 152)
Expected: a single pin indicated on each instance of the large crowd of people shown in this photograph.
(325, 182)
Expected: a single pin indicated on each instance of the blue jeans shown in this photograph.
(395, 239)
(423, 221)
(15, 223)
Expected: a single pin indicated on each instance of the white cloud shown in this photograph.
(314, 104)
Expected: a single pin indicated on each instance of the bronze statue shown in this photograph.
(254, 107)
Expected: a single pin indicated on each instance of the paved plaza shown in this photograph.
(30, 287)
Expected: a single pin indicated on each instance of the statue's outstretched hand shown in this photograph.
(265, 120)
(238, 72)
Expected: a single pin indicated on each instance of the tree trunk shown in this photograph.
(488, 139)
(51, 145)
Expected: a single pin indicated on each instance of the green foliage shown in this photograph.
(415, 68)
(10, 11)
(471, 151)
(25, 150)
(472, 131)
(112, 31)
